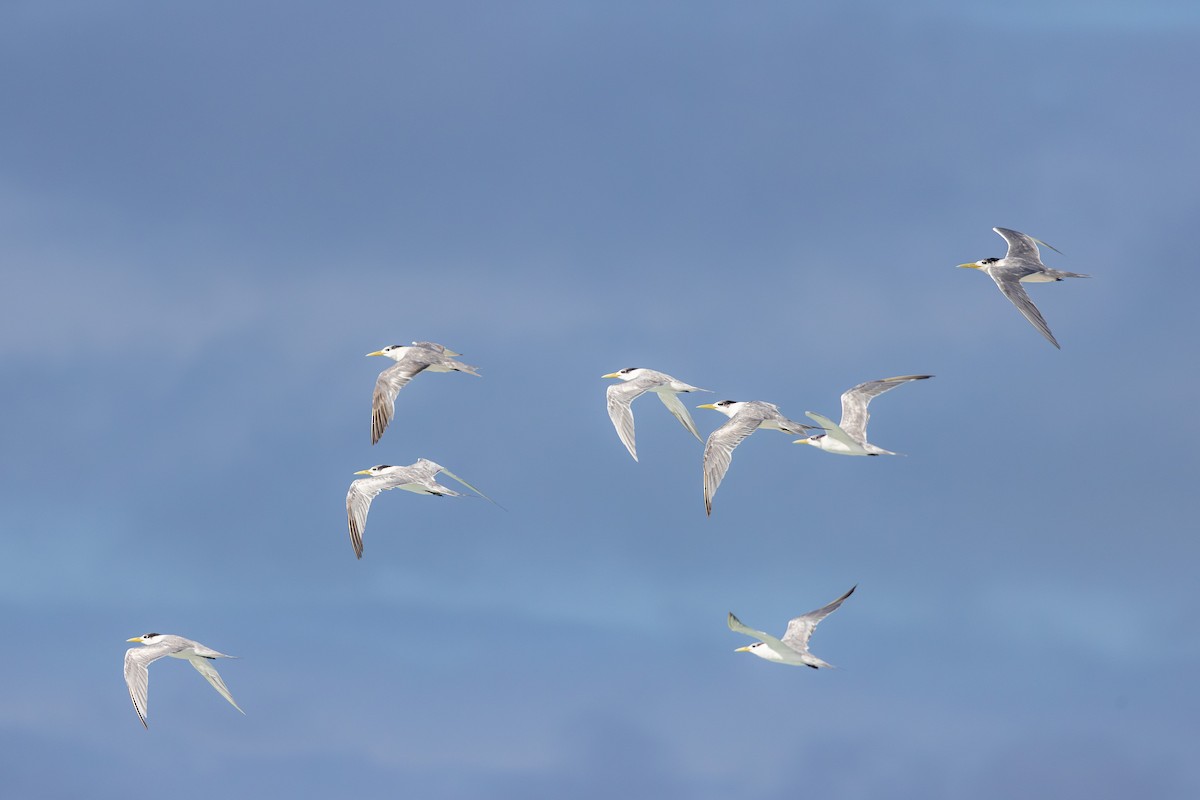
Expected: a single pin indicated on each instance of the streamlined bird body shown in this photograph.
(1022, 264)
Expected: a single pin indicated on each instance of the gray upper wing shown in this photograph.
(211, 675)
(451, 475)
(856, 400)
(358, 504)
(800, 629)
(387, 386)
(1010, 284)
(736, 625)
(620, 398)
(676, 407)
(1020, 245)
(718, 450)
(137, 675)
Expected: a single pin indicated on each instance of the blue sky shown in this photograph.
(209, 214)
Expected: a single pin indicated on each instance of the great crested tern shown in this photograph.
(745, 417)
(157, 645)
(410, 359)
(792, 649)
(636, 381)
(417, 477)
(1022, 264)
(850, 437)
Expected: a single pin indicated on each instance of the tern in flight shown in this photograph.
(792, 648)
(418, 478)
(744, 419)
(636, 382)
(410, 360)
(1022, 264)
(157, 645)
(850, 437)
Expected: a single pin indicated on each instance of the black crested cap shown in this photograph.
(148, 635)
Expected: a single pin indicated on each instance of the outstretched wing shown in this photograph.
(450, 474)
(137, 675)
(388, 385)
(833, 430)
(736, 625)
(1022, 245)
(801, 628)
(676, 407)
(1010, 285)
(718, 451)
(437, 348)
(620, 411)
(204, 667)
(358, 504)
(855, 401)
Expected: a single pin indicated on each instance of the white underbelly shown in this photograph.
(831, 445)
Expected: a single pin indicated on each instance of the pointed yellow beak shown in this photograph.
(376, 353)
(743, 649)
(706, 405)
(134, 639)
(363, 472)
(610, 375)
(969, 266)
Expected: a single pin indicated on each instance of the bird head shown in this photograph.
(761, 650)
(146, 638)
(981, 264)
(392, 351)
(627, 374)
(726, 407)
(378, 469)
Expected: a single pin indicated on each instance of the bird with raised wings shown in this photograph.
(792, 647)
(1022, 264)
(850, 437)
